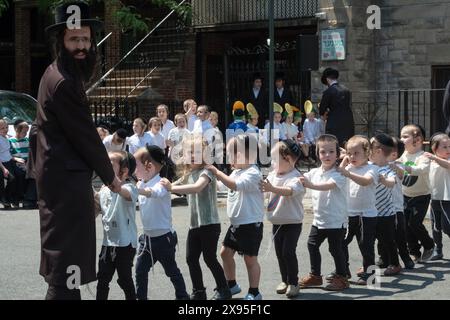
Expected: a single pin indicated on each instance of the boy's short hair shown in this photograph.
(383, 142)
(416, 130)
(178, 116)
(18, 121)
(21, 126)
(153, 120)
(328, 138)
(359, 140)
(122, 133)
(247, 141)
(203, 106)
(163, 106)
(436, 140)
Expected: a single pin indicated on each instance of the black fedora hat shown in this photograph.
(65, 14)
(329, 73)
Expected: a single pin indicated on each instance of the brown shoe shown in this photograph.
(392, 270)
(310, 281)
(338, 283)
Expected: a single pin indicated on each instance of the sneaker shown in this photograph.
(437, 255)
(292, 291)
(15, 205)
(7, 206)
(333, 274)
(282, 287)
(198, 295)
(310, 281)
(392, 270)
(222, 294)
(249, 296)
(426, 255)
(235, 289)
(338, 283)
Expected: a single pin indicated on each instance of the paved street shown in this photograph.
(19, 262)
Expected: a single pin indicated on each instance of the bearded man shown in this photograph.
(65, 150)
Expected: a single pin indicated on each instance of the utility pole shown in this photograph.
(271, 65)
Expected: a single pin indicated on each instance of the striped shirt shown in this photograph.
(384, 194)
(19, 147)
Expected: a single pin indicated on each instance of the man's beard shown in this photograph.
(82, 69)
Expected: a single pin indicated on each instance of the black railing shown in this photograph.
(216, 12)
(115, 114)
(132, 66)
(388, 111)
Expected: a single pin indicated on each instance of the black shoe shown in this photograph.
(198, 295)
(437, 254)
(409, 264)
(30, 206)
(222, 294)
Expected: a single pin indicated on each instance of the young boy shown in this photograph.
(190, 109)
(9, 169)
(26, 188)
(202, 124)
(382, 146)
(154, 129)
(276, 126)
(117, 141)
(245, 208)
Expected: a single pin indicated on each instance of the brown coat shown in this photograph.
(65, 150)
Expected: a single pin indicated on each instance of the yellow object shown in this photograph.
(238, 105)
(308, 107)
(252, 110)
(277, 108)
(289, 108)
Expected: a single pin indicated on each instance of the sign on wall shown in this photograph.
(333, 44)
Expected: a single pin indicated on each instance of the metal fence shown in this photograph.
(214, 12)
(388, 111)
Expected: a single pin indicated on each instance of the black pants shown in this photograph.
(10, 193)
(440, 219)
(400, 238)
(112, 259)
(152, 250)
(204, 240)
(386, 240)
(335, 240)
(364, 229)
(62, 293)
(416, 233)
(286, 238)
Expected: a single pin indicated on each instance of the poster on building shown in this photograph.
(333, 44)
